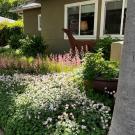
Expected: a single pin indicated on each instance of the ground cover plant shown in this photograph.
(49, 105)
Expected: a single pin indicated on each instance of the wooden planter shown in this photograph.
(105, 85)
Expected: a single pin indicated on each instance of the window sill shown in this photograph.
(39, 30)
(82, 37)
(121, 37)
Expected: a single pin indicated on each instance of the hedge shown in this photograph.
(8, 29)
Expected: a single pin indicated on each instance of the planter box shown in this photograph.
(105, 85)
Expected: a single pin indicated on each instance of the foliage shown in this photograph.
(105, 98)
(63, 62)
(95, 66)
(7, 5)
(105, 45)
(49, 105)
(9, 29)
(66, 58)
(14, 60)
(111, 70)
(14, 41)
(33, 46)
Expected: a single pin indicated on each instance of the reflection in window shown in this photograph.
(81, 18)
(113, 17)
(73, 19)
(87, 20)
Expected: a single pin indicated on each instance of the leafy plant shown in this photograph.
(33, 46)
(14, 41)
(105, 45)
(92, 65)
(7, 5)
(9, 29)
(111, 70)
(95, 66)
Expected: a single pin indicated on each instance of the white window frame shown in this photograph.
(79, 4)
(39, 22)
(102, 26)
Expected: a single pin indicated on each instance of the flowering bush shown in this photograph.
(32, 65)
(49, 105)
(14, 60)
(63, 62)
(66, 59)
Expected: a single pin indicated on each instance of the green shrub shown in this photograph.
(9, 29)
(49, 105)
(111, 70)
(95, 66)
(33, 46)
(4, 36)
(105, 45)
(14, 41)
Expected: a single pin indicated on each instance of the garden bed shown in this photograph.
(49, 105)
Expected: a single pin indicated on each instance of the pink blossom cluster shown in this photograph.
(67, 59)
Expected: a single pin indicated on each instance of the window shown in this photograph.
(39, 22)
(113, 18)
(81, 19)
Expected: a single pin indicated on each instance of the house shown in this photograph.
(31, 11)
(87, 19)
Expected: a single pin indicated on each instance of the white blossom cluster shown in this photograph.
(48, 92)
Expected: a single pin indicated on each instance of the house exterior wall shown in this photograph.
(31, 21)
(53, 21)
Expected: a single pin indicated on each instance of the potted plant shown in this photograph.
(99, 73)
(108, 78)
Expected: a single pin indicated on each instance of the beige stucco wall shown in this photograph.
(116, 51)
(31, 21)
(53, 21)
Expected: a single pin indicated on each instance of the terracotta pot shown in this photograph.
(105, 85)
(88, 84)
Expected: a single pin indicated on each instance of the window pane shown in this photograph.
(87, 19)
(125, 12)
(113, 17)
(73, 20)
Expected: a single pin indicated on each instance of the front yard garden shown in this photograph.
(49, 105)
(44, 94)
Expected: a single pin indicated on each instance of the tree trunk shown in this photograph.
(123, 122)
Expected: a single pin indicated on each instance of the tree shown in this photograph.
(6, 5)
(123, 122)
